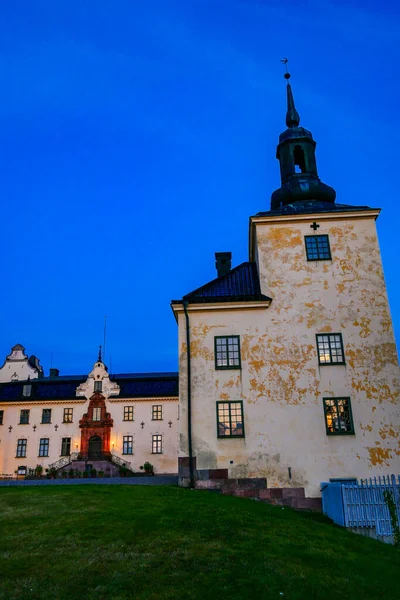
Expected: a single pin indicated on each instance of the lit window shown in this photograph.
(1, 416)
(98, 386)
(330, 349)
(68, 414)
(227, 352)
(230, 419)
(128, 413)
(46, 415)
(156, 444)
(317, 247)
(44, 447)
(24, 417)
(21, 448)
(97, 414)
(66, 446)
(26, 390)
(156, 413)
(338, 417)
(127, 447)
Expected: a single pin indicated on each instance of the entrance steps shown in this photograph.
(108, 468)
(256, 488)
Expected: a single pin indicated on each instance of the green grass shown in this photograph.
(135, 542)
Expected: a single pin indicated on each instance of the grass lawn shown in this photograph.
(119, 542)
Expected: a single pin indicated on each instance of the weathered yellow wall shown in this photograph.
(280, 381)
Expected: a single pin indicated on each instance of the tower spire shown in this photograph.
(99, 359)
(292, 116)
(296, 154)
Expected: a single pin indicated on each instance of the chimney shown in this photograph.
(54, 372)
(223, 262)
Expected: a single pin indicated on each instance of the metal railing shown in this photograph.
(62, 462)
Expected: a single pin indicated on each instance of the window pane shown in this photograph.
(317, 247)
(230, 419)
(338, 415)
(66, 446)
(68, 412)
(330, 348)
(227, 352)
(46, 415)
(24, 417)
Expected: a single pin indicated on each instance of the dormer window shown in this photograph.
(98, 386)
(26, 390)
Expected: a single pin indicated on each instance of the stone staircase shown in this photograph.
(256, 488)
(108, 468)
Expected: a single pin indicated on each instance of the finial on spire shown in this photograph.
(99, 358)
(292, 116)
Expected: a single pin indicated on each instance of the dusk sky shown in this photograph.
(137, 137)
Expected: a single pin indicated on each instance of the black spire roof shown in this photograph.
(296, 155)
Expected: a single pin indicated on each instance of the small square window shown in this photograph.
(44, 447)
(98, 386)
(127, 447)
(46, 415)
(21, 448)
(156, 444)
(68, 415)
(230, 419)
(97, 414)
(330, 349)
(1, 416)
(66, 446)
(317, 247)
(26, 390)
(128, 413)
(338, 417)
(24, 417)
(156, 413)
(227, 352)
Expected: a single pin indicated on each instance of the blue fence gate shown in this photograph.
(362, 505)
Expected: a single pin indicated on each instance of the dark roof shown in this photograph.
(133, 385)
(239, 284)
(145, 387)
(311, 206)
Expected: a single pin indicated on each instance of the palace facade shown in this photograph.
(288, 368)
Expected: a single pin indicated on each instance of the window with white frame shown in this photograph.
(127, 446)
(97, 413)
(156, 444)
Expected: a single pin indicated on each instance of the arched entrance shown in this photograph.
(95, 448)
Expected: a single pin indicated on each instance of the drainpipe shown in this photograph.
(189, 396)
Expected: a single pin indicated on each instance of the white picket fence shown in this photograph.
(365, 506)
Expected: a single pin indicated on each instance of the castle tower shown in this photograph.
(292, 373)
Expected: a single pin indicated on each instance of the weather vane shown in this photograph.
(285, 62)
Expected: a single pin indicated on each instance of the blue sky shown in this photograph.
(137, 137)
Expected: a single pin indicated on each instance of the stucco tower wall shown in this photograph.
(280, 381)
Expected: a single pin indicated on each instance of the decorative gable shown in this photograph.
(98, 381)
